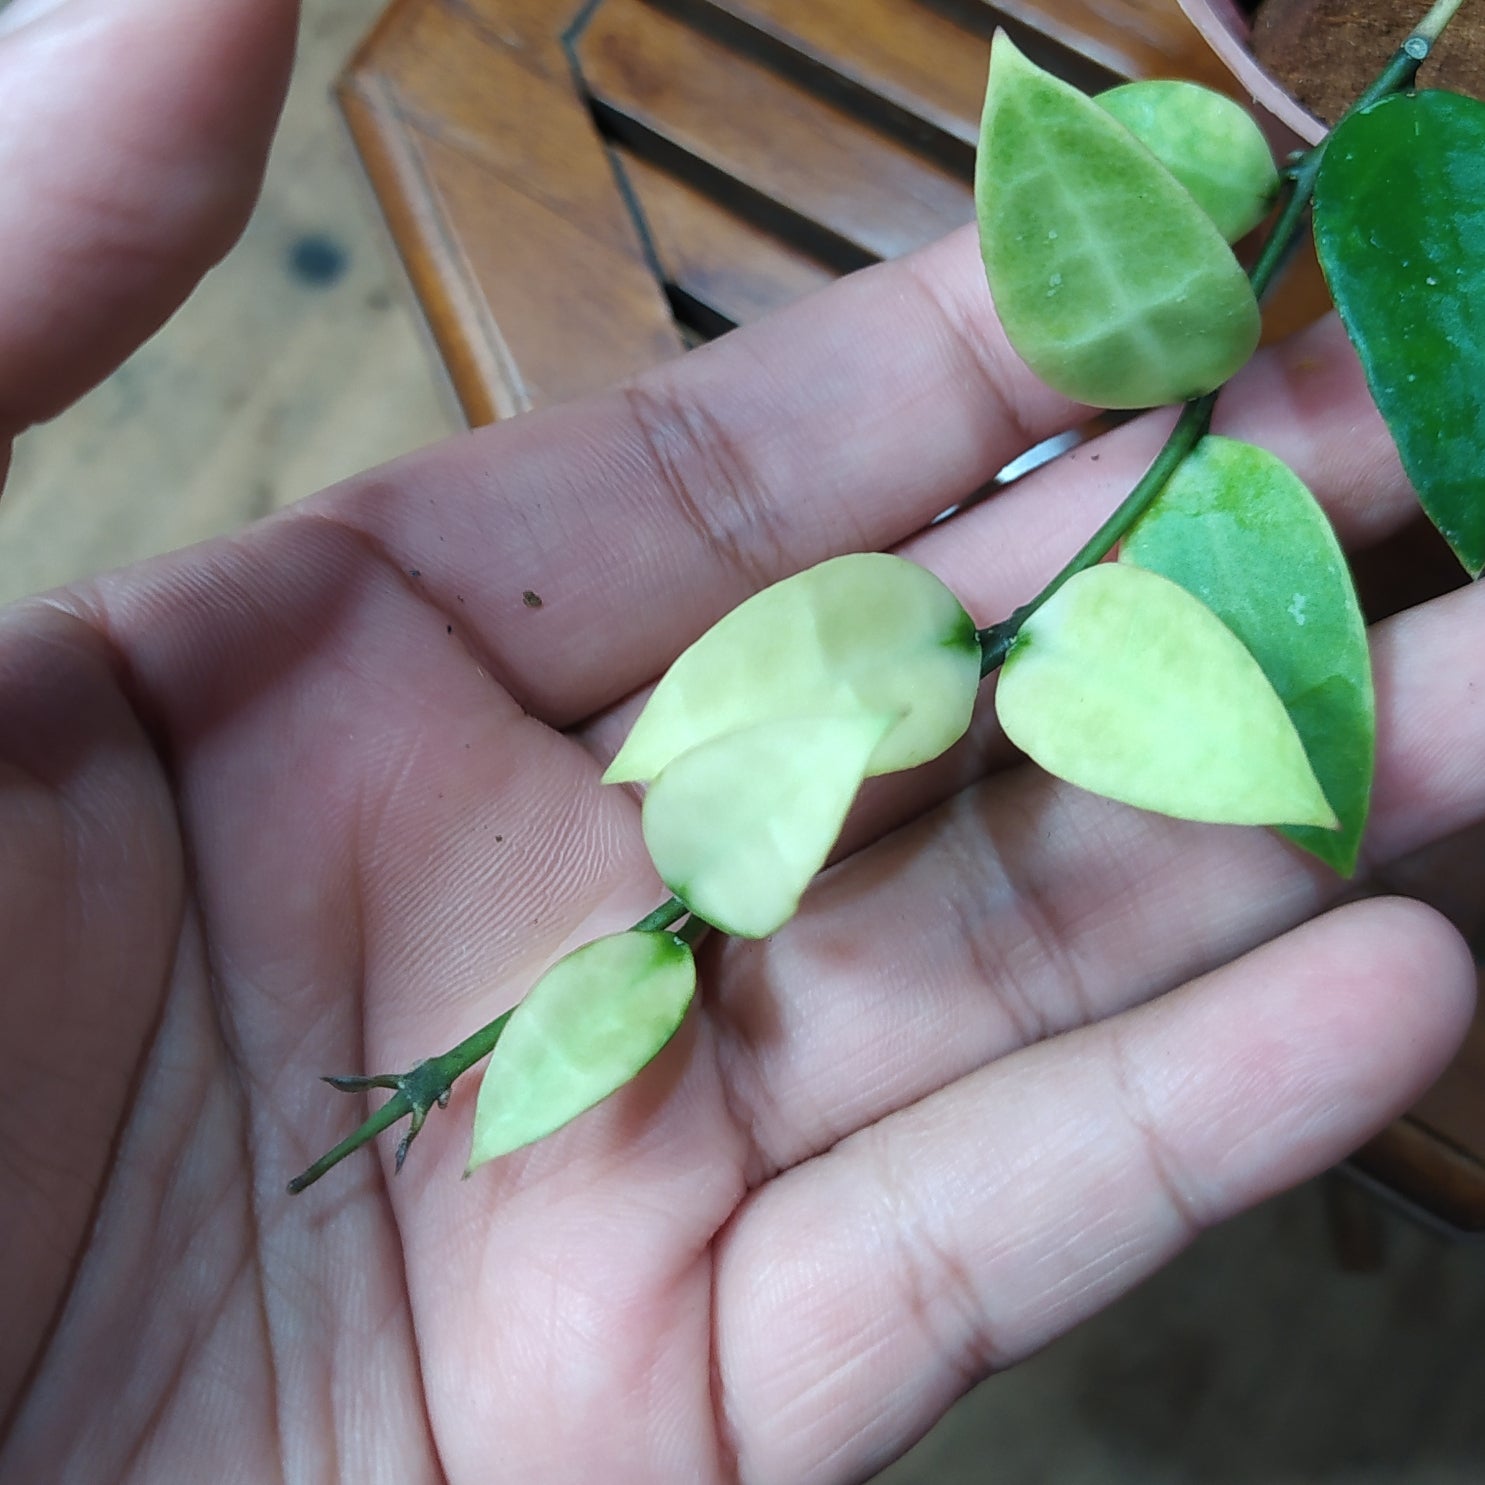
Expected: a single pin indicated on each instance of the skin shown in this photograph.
(262, 816)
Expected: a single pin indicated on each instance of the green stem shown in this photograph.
(693, 930)
(667, 913)
(418, 1090)
(1431, 27)
(430, 1082)
(1196, 416)
(390, 1112)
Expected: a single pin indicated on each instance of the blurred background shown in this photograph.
(298, 361)
(1323, 1338)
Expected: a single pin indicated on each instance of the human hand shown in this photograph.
(323, 797)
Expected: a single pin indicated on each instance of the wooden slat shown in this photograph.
(1133, 38)
(535, 28)
(520, 245)
(907, 67)
(1430, 1173)
(564, 312)
(516, 113)
(1455, 1106)
(715, 259)
(761, 143)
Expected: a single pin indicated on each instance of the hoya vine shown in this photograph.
(1217, 670)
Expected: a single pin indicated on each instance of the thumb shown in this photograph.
(133, 136)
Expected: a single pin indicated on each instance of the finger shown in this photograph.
(132, 144)
(1306, 401)
(588, 544)
(1025, 907)
(89, 833)
(1001, 552)
(1005, 1209)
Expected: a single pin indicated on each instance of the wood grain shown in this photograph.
(514, 231)
(723, 268)
(907, 68)
(762, 142)
(1131, 38)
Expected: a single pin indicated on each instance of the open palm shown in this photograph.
(324, 797)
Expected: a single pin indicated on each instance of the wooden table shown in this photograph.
(580, 190)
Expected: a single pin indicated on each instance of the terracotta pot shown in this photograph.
(1226, 30)
(1331, 50)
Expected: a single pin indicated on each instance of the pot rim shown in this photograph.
(1227, 31)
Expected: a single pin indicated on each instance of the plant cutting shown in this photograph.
(1217, 670)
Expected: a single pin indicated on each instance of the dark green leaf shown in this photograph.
(1400, 228)
(1237, 528)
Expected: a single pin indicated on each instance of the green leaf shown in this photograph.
(592, 1021)
(1123, 683)
(867, 633)
(1208, 142)
(1400, 229)
(738, 827)
(1237, 528)
(1111, 282)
